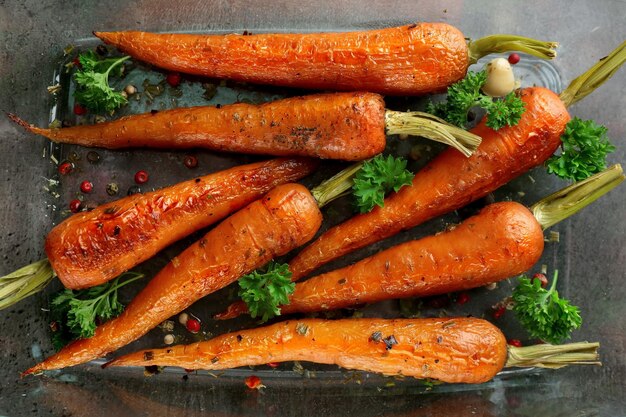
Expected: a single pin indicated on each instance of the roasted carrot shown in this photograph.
(406, 60)
(347, 126)
(466, 350)
(451, 350)
(282, 220)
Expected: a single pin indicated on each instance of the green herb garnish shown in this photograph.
(265, 290)
(465, 94)
(377, 177)
(583, 151)
(75, 313)
(542, 313)
(92, 79)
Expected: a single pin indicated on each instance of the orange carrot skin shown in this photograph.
(283, 219)
(503, 240)
(406, 60)
(93, 247)
(347, 126)
(450, 181)
(456, 350)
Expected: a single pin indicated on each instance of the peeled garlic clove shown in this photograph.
(500, 78)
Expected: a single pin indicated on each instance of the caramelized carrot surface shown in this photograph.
(348, 126)
(282, 220)
(93, 247)
(406, 60)
(466, 350)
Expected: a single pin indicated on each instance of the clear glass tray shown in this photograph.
(167, 168)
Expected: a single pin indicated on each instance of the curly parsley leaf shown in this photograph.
(542, 313)
(92, 79)
(465, 94)
(265, 290)
(583, 150)
(75, 313)
(377, 177)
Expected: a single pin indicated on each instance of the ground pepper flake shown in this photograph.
(254, 382)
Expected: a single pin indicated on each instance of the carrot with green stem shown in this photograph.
(93, 247)
(451, 181)
(282, 220)
(503, 240)
(347, 126)
(407, 60)
(455, 350)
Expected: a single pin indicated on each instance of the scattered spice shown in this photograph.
(302, 329)
(190, 161)
(86, 187)
(79, 109)
(173, 79)
(376, 337)
(514, 58)
(75, 205)
(130, 89)
(182, 318)
(167, 326)
(542, 278)
(93, 157)
(254, 382)
(554, 237)
(462, 298)
(55, 124)
(499, 312)
(112, 189)
(193, 325)
(390, 341)
(65, 168)
(141, 177)
(99, 119)
(514, 342)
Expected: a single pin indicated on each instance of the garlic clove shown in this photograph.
(500, 78)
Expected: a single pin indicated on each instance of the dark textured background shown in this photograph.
(33, 32)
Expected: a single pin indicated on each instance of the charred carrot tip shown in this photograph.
(14, 118)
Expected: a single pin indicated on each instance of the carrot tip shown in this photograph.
(14, 118)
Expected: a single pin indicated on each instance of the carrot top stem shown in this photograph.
(24, 282)
(554, 356)
(426, 125)
(336, 186)
(570, 200)
(505, 43)
(594, 77)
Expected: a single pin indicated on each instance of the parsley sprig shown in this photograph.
(465, 94)
(267, 289)
(92, 79)
(583, 150)
(542, 313)
(75, 313)
(377, 177)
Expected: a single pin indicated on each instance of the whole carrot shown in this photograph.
(348, 126)
(457, 350)
(451, 181)
(282, 220)
(406, 60)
